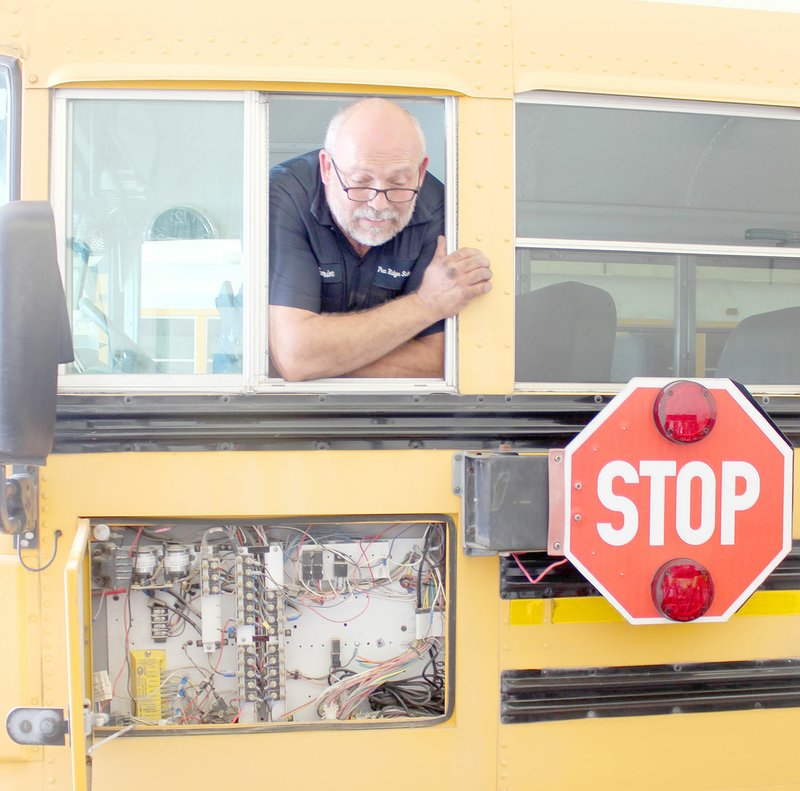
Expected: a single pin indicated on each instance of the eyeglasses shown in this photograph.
(366, 194)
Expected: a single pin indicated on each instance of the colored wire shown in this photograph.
(49, 563)
(543, 574)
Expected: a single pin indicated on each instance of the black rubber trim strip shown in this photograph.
(575, 693)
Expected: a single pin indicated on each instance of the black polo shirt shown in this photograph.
(313, 266)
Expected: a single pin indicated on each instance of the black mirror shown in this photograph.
(34, 331)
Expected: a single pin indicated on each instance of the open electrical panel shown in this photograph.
(205, 625)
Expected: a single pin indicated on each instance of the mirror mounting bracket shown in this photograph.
(18, 515)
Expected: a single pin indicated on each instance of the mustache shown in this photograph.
(368, 213)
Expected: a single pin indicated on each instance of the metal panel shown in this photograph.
(505, 501)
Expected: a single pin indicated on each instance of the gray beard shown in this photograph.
(377, 236)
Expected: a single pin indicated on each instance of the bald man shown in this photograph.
(360, 280)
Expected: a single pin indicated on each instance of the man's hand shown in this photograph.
(452, 281)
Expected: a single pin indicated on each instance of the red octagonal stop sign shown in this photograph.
(636, 500)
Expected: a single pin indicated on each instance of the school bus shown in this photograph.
(213, 577)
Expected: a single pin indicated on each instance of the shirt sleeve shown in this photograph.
(434, 230)
(294, 279)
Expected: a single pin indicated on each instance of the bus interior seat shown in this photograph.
(764, 349)
(565, 333)
(641, 354)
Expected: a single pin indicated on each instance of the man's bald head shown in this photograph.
(375, 121)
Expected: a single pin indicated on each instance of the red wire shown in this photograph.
(135, 541)
(543, 574)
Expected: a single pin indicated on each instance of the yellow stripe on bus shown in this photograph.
(595, 609)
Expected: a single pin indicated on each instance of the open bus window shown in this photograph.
(303, 232)
(154, 226)
(656, 240)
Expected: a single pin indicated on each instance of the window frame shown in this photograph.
(682, 319)
(9, 67)
(255, 202)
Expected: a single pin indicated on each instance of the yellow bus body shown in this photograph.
(483, 52)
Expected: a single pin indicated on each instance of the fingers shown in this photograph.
(468, 259)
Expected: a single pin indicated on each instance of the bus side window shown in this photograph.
(687, 214)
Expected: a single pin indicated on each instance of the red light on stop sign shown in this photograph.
(682, 590)
(685, 411)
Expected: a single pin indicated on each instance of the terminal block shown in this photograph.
(159, 622)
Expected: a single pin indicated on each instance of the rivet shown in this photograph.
(15, 32)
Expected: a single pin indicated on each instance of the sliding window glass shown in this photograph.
(154, 233)
(656, 238)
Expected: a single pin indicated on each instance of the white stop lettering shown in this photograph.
(694, 478)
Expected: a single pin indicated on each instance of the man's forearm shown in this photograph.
(421, 358)
(306, 345)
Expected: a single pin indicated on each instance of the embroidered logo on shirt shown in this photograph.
(382, 270)
(331, 273)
